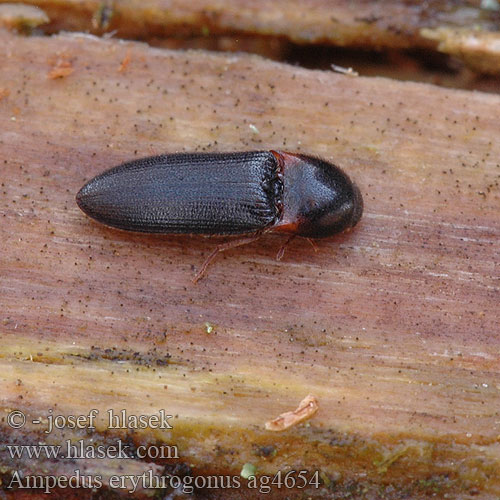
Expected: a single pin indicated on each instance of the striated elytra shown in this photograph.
(243, 193)
(225, 193)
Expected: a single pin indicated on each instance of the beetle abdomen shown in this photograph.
(214, 193)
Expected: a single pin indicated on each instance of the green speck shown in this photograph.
(384, 464)
(253, 128)
(205, 30)
(209, 328)
(325, 479)
(248, 471)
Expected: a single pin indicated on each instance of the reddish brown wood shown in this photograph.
(393, 327)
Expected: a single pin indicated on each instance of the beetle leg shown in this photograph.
(281, 251)
(221, 248)
(315, 247)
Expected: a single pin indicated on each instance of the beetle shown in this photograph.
(240, 193)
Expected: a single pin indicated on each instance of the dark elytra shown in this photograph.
(225, 194)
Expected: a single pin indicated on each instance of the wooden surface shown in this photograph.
(394, 328)
(469, 30)
(480, 50)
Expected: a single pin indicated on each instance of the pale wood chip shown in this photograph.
(306, 409)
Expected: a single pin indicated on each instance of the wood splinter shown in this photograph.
(306, 409)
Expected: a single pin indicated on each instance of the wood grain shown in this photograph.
(470, 30)
(387, 23)
(394, 328)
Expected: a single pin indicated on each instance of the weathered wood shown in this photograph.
(393, 327)
(381, 24)
(21, 17)
(478, 49)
